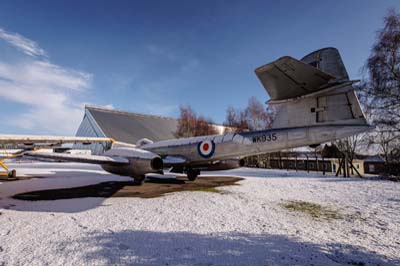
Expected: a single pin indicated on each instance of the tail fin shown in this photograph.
(313, 91)
(329, 61)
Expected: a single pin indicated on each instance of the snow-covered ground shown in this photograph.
(244, 226)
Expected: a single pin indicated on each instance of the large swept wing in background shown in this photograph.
(121, 158)
(80, 158)
(30, 143)
(288, 78)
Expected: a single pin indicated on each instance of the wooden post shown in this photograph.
(287, 161)
(269, 160)
(339, 169)
(346, 165)
(358, 173)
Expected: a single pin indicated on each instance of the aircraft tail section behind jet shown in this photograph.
(313, 91)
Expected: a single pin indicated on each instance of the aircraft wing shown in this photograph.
(288, 78)
(33, 139)
(80, 158)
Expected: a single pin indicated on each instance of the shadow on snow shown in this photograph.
(181, 248)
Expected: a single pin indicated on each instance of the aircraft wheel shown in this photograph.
(138, 181)
(192, 174)
(12, 174)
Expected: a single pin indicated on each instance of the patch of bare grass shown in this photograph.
(316, 211)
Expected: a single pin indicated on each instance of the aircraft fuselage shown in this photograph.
(199, 149)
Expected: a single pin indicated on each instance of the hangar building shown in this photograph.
(125, 126)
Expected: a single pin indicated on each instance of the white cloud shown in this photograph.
(183, 61)
(48, 91)
(107, 106)
(161, 51)
(23, 44)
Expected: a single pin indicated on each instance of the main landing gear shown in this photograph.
(192, 174)
(138, 180)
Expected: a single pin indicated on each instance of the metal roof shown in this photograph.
(374, 159)
(131, 127)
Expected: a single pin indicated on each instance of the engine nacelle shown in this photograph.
(141, 162)
(227, 164)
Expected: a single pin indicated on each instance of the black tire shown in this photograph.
(192, 174)
(138, 181)
(12, 174)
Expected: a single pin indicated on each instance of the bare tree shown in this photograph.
(235, 120)
(387, 141)
(382, 88)
(255, 116)
(204, 127)
(384, 73)
(186, 122)
(347, 151)
(191, 125)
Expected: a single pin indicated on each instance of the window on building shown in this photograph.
(371, 168)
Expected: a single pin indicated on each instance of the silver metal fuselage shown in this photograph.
(257, 142)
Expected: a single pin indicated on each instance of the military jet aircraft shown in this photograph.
(315, 103)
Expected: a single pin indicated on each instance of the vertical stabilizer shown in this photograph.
(329, 61)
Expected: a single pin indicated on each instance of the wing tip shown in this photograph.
(262, 68)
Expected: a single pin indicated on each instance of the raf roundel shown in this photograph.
(206, 148)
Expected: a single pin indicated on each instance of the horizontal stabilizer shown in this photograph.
(288, 78)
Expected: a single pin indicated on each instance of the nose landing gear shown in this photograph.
(11, 174)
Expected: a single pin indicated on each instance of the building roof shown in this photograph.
(131, 127)
(374, 159)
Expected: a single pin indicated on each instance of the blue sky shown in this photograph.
(153, 56)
